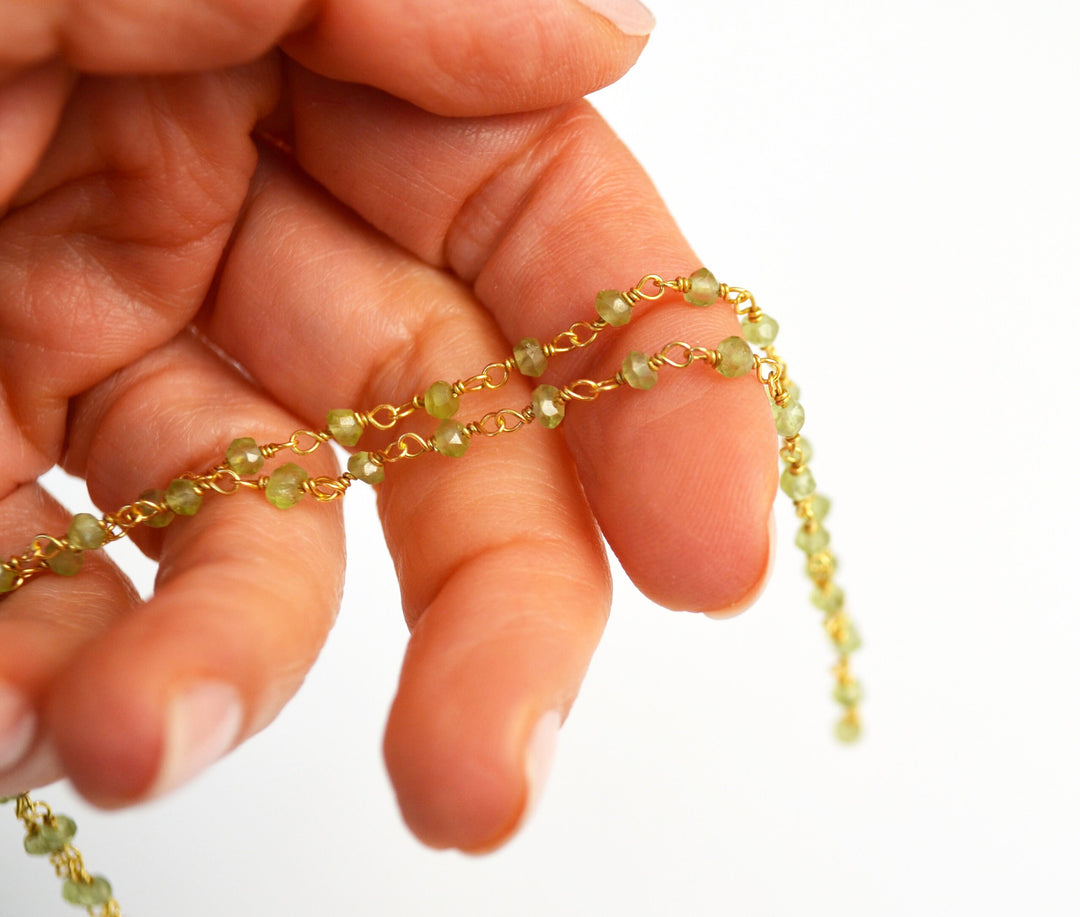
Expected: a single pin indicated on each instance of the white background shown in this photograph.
(897, 182)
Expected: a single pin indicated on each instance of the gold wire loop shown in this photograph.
(324, 489)
(314, 440)
(373, 418)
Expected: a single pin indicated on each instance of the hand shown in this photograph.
(167, 284)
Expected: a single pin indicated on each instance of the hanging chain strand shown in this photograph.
(289, 483)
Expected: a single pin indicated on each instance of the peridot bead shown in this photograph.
(363, 468)
(820, 506)
(812, 540)
(762, 332)
(243, 456)
(736, 357)
(637, 372)
(848, 693)
(285, 487)
(847, 730)
(789, 419)
(440, 400)
(529, 357)
(7, 579)
(183, 498)
(792, 389)
(344, 426)
(66, 562)
(806, 449)
(85, 533)
(157, 497)
(50, 838)
(829, 599)
(844, 636)
(797, 486)
(704, 288)
(451, 439)
(94, 893)
(613, 307)
(821, 566)
(548, 407)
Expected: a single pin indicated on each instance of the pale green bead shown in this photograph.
(243, 456)
(157, 497)
(451, 439)
(65, 563)
(7, 579)
(828, 600)
(344, 426)
(820, 506)
(50, 838)
(848, 694)
(792, 389)
(548, 407)
(789, 419)
(812, 541)
(845, 638)
(530, 357)
(806, 449)
(704, 288)
(183, 498)
(762, 332)
(441, 401)
(285, 487)
(613, 307)
(85, 533)
(637, 372)
(7, 799)
(736, 357)
(361, 466)
(847, 730)
(797, 486)
(821, 565)
(95, 893)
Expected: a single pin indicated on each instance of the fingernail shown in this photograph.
(629, 16)
(540, 755)
(202, 724)
(721, 614)
(17, 727)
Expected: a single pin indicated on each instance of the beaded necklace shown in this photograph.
(51, 835)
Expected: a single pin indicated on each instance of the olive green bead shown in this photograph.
(50, 838)
(7, 579)
(94, 893)
(821, 565)
(547, 406)
(820, 506)
(183, 498)
(761, 332)
(637, 372)
(85, 533)
(704, 288)
(344, 426)
(798, 486)
(806, 449)
(613, 307)
(441, 401)
(285, 489)
(812, 540)
(828, 600)
(845, 638)
(789, 419)
(65, 563)
(157, 497)
(243, 456)
(530, 357)
(736, 357)
(362, 467)
(792, 389)
(848, 693)
(451, 439)
(848, 730)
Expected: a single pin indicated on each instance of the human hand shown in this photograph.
(423, 224)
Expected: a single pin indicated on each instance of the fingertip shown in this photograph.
(741, 604)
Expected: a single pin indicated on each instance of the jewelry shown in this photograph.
(285, 486)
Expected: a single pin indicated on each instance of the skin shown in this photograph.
(443, 194)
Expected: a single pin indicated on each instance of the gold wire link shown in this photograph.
(737, 296)
(372, 416)
(592, 390)
(296, 441)
(578, 335)
(223, 481)
(324, 489)
(493, 376)
(503, 421)
(687, 354)
(408, 445)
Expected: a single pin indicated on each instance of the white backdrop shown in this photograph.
(897, 182)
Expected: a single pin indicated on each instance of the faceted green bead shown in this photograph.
(637, 372)
(789, 418)
(828, 600)
(85, 533)
(362, 467)
(704, 288)
(847, 730)
(157, 497)
(792, 389)
(820, 506)
(451, 439)
(344, 426)
(848, 694)
(797, 486)
(7, 579)
(243, 456)
(736, 357)
(529, 357)
(65, 563)
(821, 565)
(183, 498)
(441, 401)
(548, 407)
(812, 541)
(285, 487)
(50, 838)
(762, 332)
(613, 307)
(93, 894)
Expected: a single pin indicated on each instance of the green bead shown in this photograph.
(243, 456)
(848, 694)
(704, 288)
(451, 439)
(828, 600)
(547, 405)
(637, 372)
(789, 419)
(50, 838)
(157, 497)
(85, 533)
(812, 541)
(441, 401)
(806, 449)
(93, 894)
(183, 498)
(613, 307)
(792, 389)
(736, 357)
(844, 636)
(7, 579)
(363, 468)
(529, 357)
(65, 563)
(821, 566)
(847, 730)
(285, 487)
(344, 426)
(797, 486)
(820, 506)
(762, 332)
